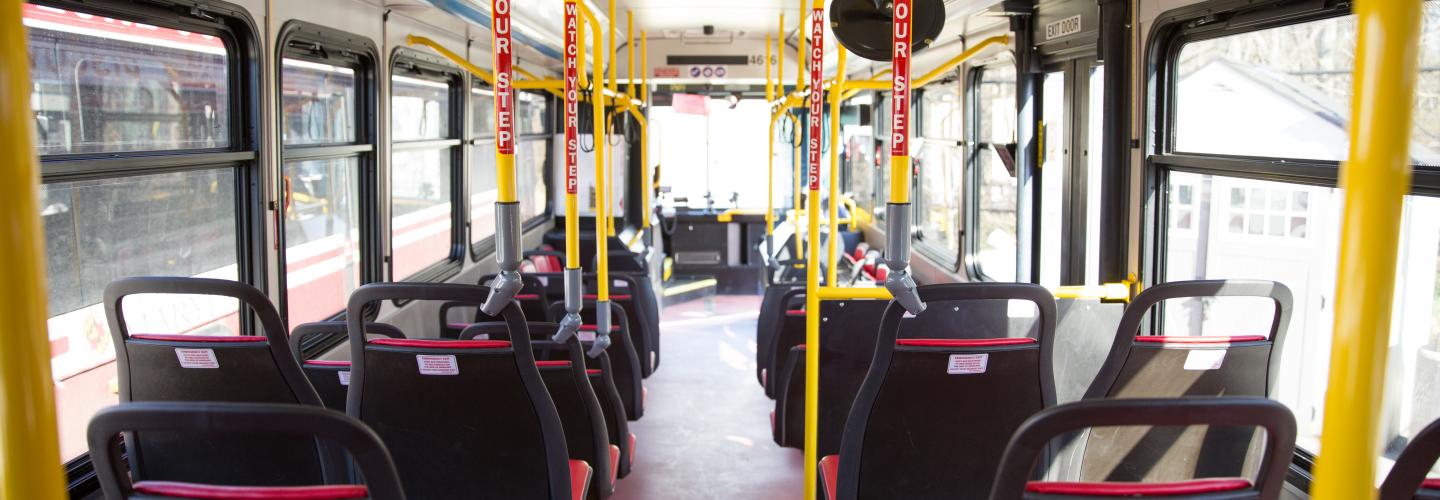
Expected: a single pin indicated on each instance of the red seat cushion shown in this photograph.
(527, 296)
(1108, 489)
(591, 328)
(1432, 483)
(795, 312)
(614, 463)
(210, 492)
(631, 447)
(1198, 339)
(198, 338)
(442, 344)
(830, 474)
(579, 479)
(613, 296)
(964, 342)
(552, 364)
(326, 362)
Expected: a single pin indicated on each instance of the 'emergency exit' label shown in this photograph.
(432, 364)
(967, 364)
(197, 358)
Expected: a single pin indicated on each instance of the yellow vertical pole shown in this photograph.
(645, 133)
(799, 87)
(1375, 181)
(614, 90)
(504, 102)
(835, 91)
(770, 157)
(597, 102)
(795, 136)
(780, 61)
(630, 51)
(812, 266)
(30, 466)
(769, 84)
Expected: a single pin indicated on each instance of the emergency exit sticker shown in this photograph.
(1204, 359)
(433, 364)
(197, 358)
(968, 364)
(344, 377)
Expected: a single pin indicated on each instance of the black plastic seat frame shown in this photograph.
(482, 427)
(333, 428)
(243, 369)
(917, 428)
(635, 293)
(331, 379)
(1032, 441)
(772, 309)
(1407, 478)
(624, 355)
(1249, 367)
(788, 332)
(533, 298)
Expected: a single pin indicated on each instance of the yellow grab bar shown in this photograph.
(1375, 181)
(30, 466)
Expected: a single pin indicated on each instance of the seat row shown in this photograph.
(499, 411)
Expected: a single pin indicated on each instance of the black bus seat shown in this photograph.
(637, 298)
(772, 308)
(624, 357)
(250, 420)
(936, 408)
(331, 378)
(556, 240)
(464, 419)
(1034, 438)
(563, 369)
(1409, 477)
(1240, 364)
(789, 332)
(533, 298)
(787, 420)
(847, 340)
(241, 369)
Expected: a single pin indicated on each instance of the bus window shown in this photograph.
(715, 149)
(940, 162)
(421, 224)
(104, 85)
(532, 156)
(995, 192)
(483, 190)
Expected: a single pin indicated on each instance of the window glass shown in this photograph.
(420, 219)
(105, 85)
(97, 231)
(531, 114)
(483, 191)
(1225, 227)
(939, 218)
(419, 109)
(1285, 92)
(996, 215)
(1055, 170)
(940, 108)
(531, 158)
(859, 157)
(322, 236)
(482, 112)
(318, 103)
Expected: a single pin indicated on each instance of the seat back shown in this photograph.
(772, 308)
(1408, 477)
(533, 298)
(954, 400)
(242, 369)
(624, 354)
(1032, 439)
(789, 332)
(636, 296)
(1166, 366)
(244, 419)
(331, 378)
(563, 369)
(464, 419)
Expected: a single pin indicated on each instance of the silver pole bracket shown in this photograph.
(570, 324)
(897, 256)
(602, 329)
(507, 254)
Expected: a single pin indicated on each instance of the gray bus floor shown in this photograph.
(706, 429)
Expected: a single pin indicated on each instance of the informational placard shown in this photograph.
(900, 81)
(967, 364)
(1064, 27)
(1204, 359)
(437, 364)
(504, 95)
(817, 95)
(197, 358)
(572, 97)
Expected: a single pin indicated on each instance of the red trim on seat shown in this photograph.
(224, 339)
(593, 371)
(442, 344)
(591, 328)
(798, 346)
(326, 362)
(527, 296)
(795, 312)
(1199, 339)
(631, 454)
(211, 492)
(964, 342)
(613, 296)
(1109, 489)
(830, 474)
(1432, 483)
(614, 463)
(551, 364)
(580, 479)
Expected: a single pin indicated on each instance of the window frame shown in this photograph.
(486, 246)
(428, 67)
(359, 53)
(473, 140)
(947, 258)
(969, 240)
(238, 30)
(1171, 32)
